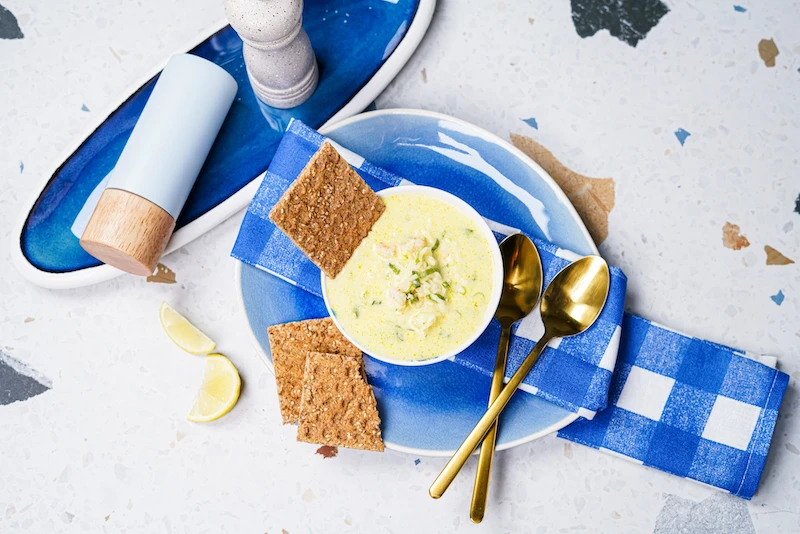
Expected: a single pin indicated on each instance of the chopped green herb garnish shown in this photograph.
(435, 245)
(469, 230)
(394, 268)
(376, 302)
(414, 299)
(355, 312)
(428, 272)
(430, 297)
(415, 282)
(446, 284)
(440, 296)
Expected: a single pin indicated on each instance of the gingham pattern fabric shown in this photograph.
(686, 406)
(574, 373)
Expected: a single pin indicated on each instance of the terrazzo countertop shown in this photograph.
(691, 113)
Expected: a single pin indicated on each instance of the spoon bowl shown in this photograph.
(576, 296)
(522, 279)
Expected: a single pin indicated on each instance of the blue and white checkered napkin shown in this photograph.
(690, 407)
(685, 406)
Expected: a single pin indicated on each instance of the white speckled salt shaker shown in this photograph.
(277, 53)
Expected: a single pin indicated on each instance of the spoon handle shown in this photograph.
(482, 476)
(454, 465)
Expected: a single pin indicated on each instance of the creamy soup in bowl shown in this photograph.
(425, 282)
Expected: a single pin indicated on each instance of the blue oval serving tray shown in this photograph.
(360, 47)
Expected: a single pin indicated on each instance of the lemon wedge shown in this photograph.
(184, 333)
(219, 391)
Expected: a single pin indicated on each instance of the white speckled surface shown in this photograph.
(109, 449)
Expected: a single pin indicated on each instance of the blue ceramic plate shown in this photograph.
(429, 410)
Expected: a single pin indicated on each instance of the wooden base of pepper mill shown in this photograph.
(128, 232)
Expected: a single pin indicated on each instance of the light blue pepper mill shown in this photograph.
(135, 216)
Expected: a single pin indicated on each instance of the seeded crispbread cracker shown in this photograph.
(289, 344)
(338, 407)
(328, 210)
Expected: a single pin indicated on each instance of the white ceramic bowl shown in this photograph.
(497, 275)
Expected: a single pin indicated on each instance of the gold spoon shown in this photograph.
(571, 303)
(522, 285)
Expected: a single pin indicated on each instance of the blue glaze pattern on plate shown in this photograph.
(248, 138)
(459, 158)
(430, 409)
